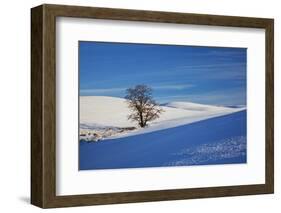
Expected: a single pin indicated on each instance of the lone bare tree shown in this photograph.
(142, 105)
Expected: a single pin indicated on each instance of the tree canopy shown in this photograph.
(143, 107)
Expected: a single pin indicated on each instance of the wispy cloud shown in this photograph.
(102, 90)
(106, 91)
(220, 65)
(173, 87)
(227, 97)
(235, 52)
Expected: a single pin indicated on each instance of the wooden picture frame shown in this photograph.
(43, 105)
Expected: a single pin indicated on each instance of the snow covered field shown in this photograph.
(104, 117)
(219, 140)
(185, 134)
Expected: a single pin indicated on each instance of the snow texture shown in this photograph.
(217, 140)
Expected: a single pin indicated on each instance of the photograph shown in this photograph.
(161, 105)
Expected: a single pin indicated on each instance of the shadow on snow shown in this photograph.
(220, 140)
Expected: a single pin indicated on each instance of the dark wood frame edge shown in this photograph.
(43, 105)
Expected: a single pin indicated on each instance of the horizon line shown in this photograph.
(165, 102)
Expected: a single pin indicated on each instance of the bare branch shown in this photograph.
(144, 108)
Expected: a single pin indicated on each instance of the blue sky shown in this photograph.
(208, 75)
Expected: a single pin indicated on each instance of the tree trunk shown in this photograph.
(141, 120)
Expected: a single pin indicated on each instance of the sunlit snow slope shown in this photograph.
(110, 112)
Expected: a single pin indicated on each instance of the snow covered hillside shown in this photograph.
(199, 107)
(219, 140)
(104, 117)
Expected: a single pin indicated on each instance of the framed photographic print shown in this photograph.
(135, 106)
